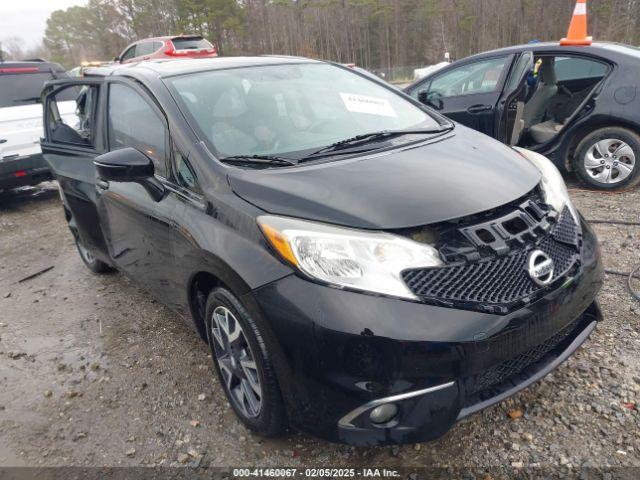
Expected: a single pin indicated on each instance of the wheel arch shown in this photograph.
(213, 273)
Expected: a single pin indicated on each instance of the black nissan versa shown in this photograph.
(362, 269)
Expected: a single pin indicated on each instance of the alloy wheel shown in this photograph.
(610, 161)
(236, 361)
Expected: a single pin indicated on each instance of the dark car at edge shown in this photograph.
(577, 105)
(362, 269)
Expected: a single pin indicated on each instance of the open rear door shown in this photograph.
(510, 109)
(72, 140)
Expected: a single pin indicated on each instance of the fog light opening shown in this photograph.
(383, 413)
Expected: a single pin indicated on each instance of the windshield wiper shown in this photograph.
(375, 137)
(258, 159)
(28, 100)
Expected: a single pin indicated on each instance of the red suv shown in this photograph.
(182, 46)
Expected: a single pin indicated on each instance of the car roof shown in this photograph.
(168, 37)
(170, 67)
(621, 48)
(597, 48)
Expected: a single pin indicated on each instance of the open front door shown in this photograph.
(468, 92)
(510, 109)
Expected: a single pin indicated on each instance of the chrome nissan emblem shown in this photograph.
(540, 267)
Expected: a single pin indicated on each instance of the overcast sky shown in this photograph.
(27, 18)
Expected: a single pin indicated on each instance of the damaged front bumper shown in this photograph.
(343, 354)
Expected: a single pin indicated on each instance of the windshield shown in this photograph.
(282, 109)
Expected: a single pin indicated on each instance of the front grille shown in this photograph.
(497, 283)
(566, 230)
(512, 367)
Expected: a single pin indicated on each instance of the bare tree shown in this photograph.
(13, 48)
(375, 34)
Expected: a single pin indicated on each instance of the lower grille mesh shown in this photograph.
(514, 366)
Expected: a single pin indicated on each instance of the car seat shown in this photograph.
(269, 121)
(63, 133)
(562, 107)
(219, 111)
(536, 108)
(545, 131)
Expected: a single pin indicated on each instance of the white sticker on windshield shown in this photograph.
(364, 104)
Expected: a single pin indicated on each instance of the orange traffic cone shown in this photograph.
(578, 28)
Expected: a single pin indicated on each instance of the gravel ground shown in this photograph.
(94, 372)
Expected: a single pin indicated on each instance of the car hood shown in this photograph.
(458, 175)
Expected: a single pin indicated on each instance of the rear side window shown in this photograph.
(145, 48)
(133, 122)
(576, 68)
(22, 88)
(196, 43)
(71, 116)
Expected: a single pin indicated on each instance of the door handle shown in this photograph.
(479, 108)
(102, 185)
(3, 140)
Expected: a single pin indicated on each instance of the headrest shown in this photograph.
(262, 99)
(548, 71)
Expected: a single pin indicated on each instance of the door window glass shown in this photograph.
(71, 115)
(523, 66)
(576, 68)
(134, 123)
(478, 77)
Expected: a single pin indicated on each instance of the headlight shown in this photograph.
(368, 261)
(553, 186)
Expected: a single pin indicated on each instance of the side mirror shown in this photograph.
(129, 165)
(116, 59)
(124, 165)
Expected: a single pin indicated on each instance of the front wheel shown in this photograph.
(609, 159)
(243, 364)
(92, 263)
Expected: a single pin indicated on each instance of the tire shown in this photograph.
(92, 263)
(249, 358)
(609, 159)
